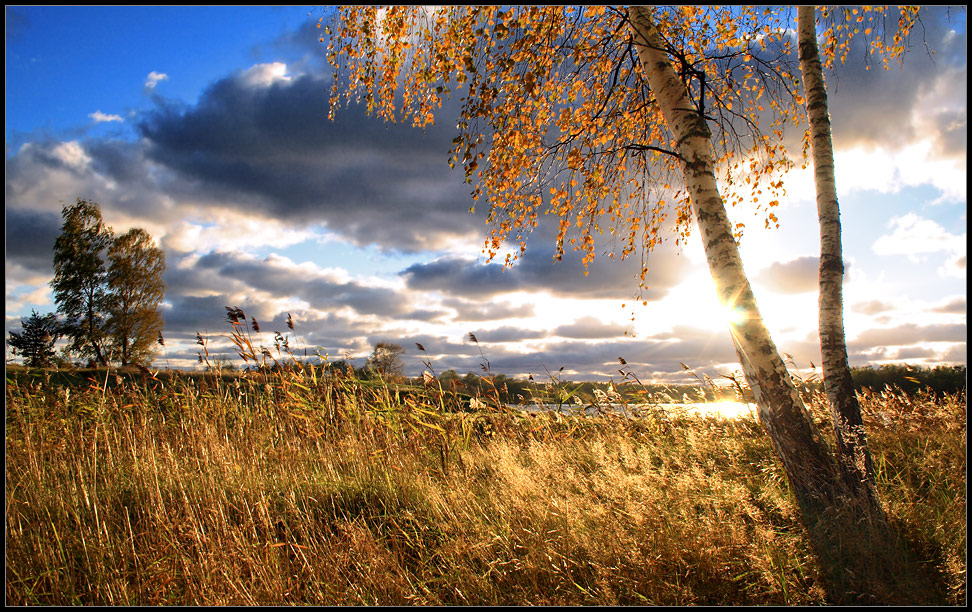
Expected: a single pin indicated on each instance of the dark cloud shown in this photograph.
(872, 307)
(589, 328)
(864, 102)
(538, 271)
(467, 310)
(30, 238)
(915, 352)
(956, 306)
(508, 334)
(190, 314)
(957, 353)
(272, 150)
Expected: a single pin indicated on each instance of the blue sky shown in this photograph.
(208, 127)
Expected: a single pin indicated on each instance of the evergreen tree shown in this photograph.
(36, 340)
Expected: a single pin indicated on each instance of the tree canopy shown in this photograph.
(80, 278)
(556, 118)
(134, 279)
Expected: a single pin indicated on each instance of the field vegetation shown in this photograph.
(296, 486)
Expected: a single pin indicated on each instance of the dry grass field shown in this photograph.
(294, 489)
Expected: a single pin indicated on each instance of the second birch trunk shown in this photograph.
(807, 460)
(852, 450)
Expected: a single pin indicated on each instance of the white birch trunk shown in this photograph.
(808, 462)
(852, 451)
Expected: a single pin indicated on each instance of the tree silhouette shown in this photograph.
(35, 342)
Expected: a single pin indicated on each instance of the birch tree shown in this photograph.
(587, 115)
(632, 122)
(852, 450)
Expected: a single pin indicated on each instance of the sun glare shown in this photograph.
(733, 315)
(728, 409)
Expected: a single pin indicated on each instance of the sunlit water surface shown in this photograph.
(725, 409)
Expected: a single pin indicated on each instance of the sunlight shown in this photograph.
(728, 409)
(733, 315)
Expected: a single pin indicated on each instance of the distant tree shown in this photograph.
(35, 342)
(386, 359)
(472, 382)
(135, 268)
(450, 380)
(80, 280)
(339, 368)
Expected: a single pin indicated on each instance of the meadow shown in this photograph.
(290, 487)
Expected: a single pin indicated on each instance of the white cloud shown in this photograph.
(888, 171)
(265, 75)
(101, 117)
(230, 231)
(153, 79)
(914, 236)
(71, 154)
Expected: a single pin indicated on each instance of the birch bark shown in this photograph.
(808, 462)
(852, 451)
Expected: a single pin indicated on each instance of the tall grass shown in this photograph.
(293, 488)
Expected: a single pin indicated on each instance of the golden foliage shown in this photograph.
(556, 118)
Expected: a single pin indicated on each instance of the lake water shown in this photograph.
(726, 409)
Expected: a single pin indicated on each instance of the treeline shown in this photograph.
(940, 379)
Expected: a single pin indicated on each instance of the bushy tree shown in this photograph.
(80, 280)
(135, 268)
(35, 342)
(386, 359)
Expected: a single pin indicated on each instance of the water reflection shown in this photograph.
(725, 409)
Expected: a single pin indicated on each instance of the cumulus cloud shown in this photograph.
(278, 276)
(153, 79)
(265, 75)
(917, 237)
(100, 117)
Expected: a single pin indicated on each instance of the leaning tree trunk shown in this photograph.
(809, 464)
(852, 452)
(861, 558)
